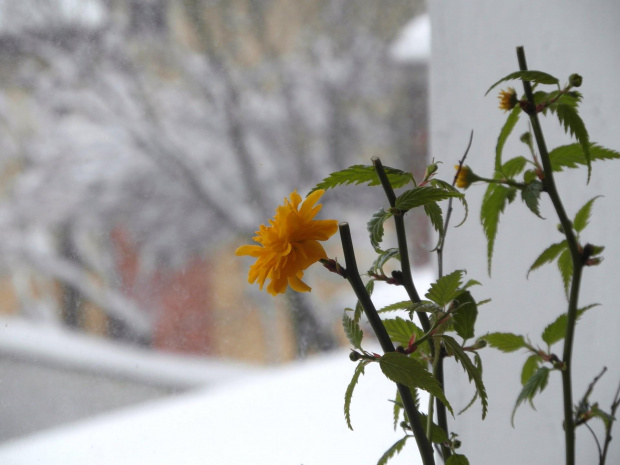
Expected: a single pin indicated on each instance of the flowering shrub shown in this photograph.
(442, 325)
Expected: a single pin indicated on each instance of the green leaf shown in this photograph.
(473, 372)
(408, 371)
(548, 255)
(506, 342)
(529, 368)
(420, 196)
(359, 370)
(457, 459)
(493, 204)
(438, 435)
(537, 77)
(363, 174)
(513, 118)
(513, 167)
(571, 156)
(375, 227)
(435, 215)
(555, 331)
(464, 317)
(402, 305)
(531, 196)
(446, 288)
(573, 124)
(401, 330)
(395, 449)
(582, 218)
(537, 383)
(352, 331)
(565, 265)
(383, 258)
(450, 188)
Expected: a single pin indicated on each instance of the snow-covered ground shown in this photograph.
(290, 415)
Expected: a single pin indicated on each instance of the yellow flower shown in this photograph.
(289, 244)
(465, 176)
(507, 99)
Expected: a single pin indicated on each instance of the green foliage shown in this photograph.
(457, 459)
(370, 287)
(565, 265)
(511, 121)
(363, 174)
(464, 317)
(435, 215)
(537, 383)
(506, 342)
(531, 196)
(408, 371)
(393, 450)
(513, 167)
(419, 196)
(473, 372)
(494, 202)
(548, 255)
(359, 370)
(573, 124)
(375, 227)
(530, 367)
(352, 331)
(555, 331)
(438, 435)
(582, 218)
(446, 288)
(383, 258)
(537, 77)
(402, 305)
(572, 156)
(450, 188)
(401, 330)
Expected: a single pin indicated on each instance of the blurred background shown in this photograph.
(143, 141)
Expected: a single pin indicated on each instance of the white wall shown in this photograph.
(473, 45)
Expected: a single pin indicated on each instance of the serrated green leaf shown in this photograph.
(352, 331)
(555, 331)
(375, 227)
(438, 435)
(529, 368)
(383, 258)
(457, 459)
(573, 124)
(571, 156)
(548, 255)
(511, 121)
(424, 306)
(493, 204)
(537, 77)
(408, 371)
(472, 371)
(464, 317)
(506, 342)
(537, 383)
(424, 195)
(446, 288)
(531, 196)
(393, 450)
(435, 215)
(359, 370)
(401, 330)
(364, 174)
(565, 265)
(402, 305)
(513, 167)
(582, 218)
(450, 188)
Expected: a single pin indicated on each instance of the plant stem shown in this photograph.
(424, 445)
(550, 187)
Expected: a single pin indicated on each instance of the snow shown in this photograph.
(413, 44)
(289, 415)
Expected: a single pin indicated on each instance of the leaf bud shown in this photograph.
(526, 138)
(430, 170)
(456, 443)
(575, 80)
(355, 356)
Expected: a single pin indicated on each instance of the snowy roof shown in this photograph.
(291, 415)
(413, 44)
